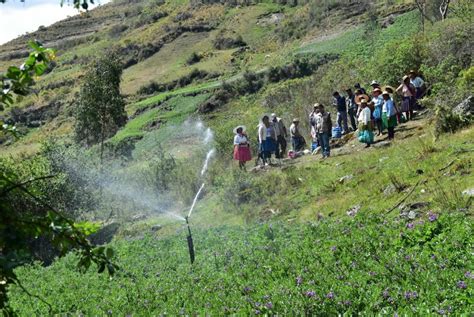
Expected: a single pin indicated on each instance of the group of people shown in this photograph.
(363, 113)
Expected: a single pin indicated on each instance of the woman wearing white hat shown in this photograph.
(408, 92)
(241, 146)
(365, 124)
(389, 114)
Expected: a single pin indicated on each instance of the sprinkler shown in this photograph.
(190, 242)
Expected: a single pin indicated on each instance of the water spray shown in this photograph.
(203, 171)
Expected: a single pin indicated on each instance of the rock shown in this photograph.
(105, 234)
(389, 190)
(353, 211)
(411, 211)
(465, 108)
(346, 178)
(468, 192)
(138, 217)
(156, 228)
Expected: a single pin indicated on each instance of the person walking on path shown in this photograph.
(241, 147)
(340, 104)
(408, 92)
(281, 134)
(352, 108)
(389, 114)
(365, 124)
(297, 140)
(377, 102)
(266, 139)
(323, 130)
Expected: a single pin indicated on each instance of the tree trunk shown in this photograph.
(443, 9)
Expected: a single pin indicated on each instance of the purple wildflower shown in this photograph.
(441, 311)
(247, 289)
(347, 303)
(269, 305)
(266, 297)
(330, 295)
(310, 293)
(461, 285)
(411, 295)
(257, 312)
(385, 294)
(410, 225)
(395, 315)
(258, 304)
(432, 217)
(371, 273)
(333, 248)
(407, 257)
(299, 280)
(469, 275)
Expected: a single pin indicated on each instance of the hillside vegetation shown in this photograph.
(382, 230)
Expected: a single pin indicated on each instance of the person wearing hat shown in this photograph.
(297, 140)
(418, 83)
(377, 102)
(365, 124)
(266, 139)
(408, 92)
(323, 130)
(389, 114)
(241, 147)
(374, 84)
(281, 134)
(351, 108)
(340, 104)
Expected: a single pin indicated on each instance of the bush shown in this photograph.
(223, 43)
(193, 59)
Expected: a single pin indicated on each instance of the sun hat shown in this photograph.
(240, 126)
(374, 82)
(405, 77)
(316, 105)
(358, 98)
(296, 120)
(389, 89)
(385, 93)
(412, 71)
(273, 115)
(377, 90)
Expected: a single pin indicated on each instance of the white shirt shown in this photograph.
(240, 139)
(364, 116)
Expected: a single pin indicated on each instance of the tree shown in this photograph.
(101, 109)
(24, 215)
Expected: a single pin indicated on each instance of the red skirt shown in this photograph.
(242, 153)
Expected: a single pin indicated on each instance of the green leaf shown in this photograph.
(40, 69)
(109, 253)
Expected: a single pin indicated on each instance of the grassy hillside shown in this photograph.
(382, 230)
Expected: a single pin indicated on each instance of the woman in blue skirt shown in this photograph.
(267, 139)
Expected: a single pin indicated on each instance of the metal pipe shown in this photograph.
(190, 242)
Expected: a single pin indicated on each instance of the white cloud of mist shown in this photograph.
(17, 18)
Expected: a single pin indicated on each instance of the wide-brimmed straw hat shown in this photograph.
(240, 126)
(316, 105)
(358, 98)
(377, 90)
(296, 120)
(412, 71)
(405, 77)
(273, 115)
(385, 93)
(389, 89)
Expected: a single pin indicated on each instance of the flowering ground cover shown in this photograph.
(363, 264)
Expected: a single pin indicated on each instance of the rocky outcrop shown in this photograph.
(466, 108)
